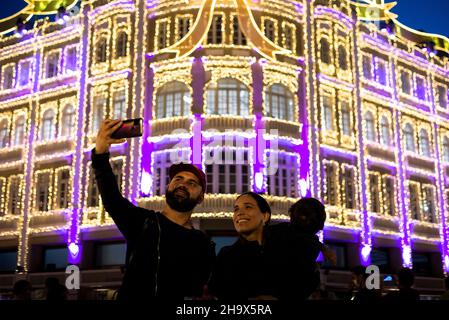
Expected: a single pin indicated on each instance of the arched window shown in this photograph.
(173, 100)
(228, 96)
(446, 149)
(68, 121)
(424, 143)
(325, 51)
(342, 58)
(370, 127)
(409, 136)
(385, 137)
(279, 103)
(19, 131)
(102, 50)
(121, 44)
(48, 125)
(4, 134)
(345, 119)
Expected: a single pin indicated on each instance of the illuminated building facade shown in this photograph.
(347, 111)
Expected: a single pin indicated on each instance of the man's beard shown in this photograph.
(186, 204)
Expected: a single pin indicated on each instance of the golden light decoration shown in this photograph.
(196, 35)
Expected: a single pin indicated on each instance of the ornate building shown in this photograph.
(349, 111)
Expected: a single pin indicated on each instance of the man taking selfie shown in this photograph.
(166, 257)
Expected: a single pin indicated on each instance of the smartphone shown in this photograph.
(130, 128)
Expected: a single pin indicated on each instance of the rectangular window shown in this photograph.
(232, 177)
(442, 97)
(110, 254)
(14, 195)
(382, 73)
(63, 187)
(374, 192)
(55, 259)
(43, 191)
(119, 105)
(52, 65)
(269, 29)
(331, 195)
(414, 201)
(8, 261)
(428, 204)
(238, 38)
(71, 59)
(405, 81)
(163, 34)
(346, 119)
(8, 77)
(98, 113)
(348, 178)
(389, 195)
(284, 180)
(183, 26)
(367, 67)
(289, 37)
(327, 114)
(93, 194)
(24, 73)
(117, 169)
(421, 88)
(381, 258)
(215, 34)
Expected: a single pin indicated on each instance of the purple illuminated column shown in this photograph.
(311, 96)
(146, 183)
(137, 176)
(365, 218)
(74, 248)
(258, 143)
(303, 150)
(405, 244)
(198, 81)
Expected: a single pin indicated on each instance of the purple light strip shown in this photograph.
(196, 142)
(74, 256)
(147, 147)
(258, 143)
(405, 237)
(303, 150)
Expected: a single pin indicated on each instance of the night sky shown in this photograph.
(428, 15)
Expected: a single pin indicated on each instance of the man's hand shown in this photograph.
(104, 140)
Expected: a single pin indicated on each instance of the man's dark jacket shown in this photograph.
(163, 259)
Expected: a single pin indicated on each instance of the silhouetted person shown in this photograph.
(22, 290)
(293, 248)
(54, 290)
(405, 280)
(358, 290)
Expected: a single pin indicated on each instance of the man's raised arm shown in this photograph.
(127, 217)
